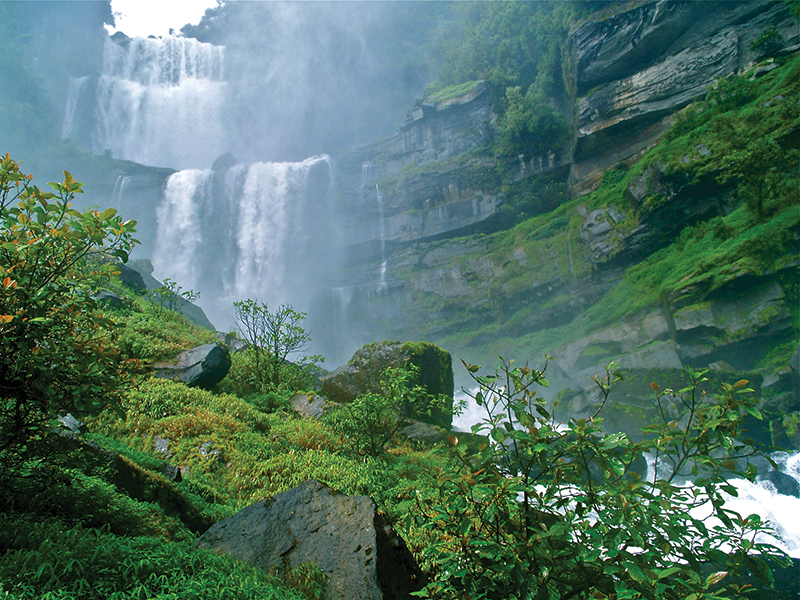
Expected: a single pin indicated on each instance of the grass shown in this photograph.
(450, 92)
(85, 535)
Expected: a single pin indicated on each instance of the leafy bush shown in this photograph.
(56, 357)
(529, 126)
(549, 510)
(768, 43)
(372, 420)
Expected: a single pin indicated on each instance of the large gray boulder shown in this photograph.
(203, 367)
(342, 535)
(362, 374)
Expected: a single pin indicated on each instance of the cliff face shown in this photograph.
(634, 70)
(423, 181)
(422, 202)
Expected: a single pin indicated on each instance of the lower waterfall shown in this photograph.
(261, 231)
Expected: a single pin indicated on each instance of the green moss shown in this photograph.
(778, 357)
(450, 92)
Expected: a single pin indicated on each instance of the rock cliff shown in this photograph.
(421, 203)
(633, 70)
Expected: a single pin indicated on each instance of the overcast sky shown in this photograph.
(156, 17)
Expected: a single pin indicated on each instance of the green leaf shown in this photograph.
(715, 578)
(613, 440)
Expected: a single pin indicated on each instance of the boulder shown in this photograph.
(306, 407)
(783, 483)
(424, 432)
(344, 536)
(232, 341)
(109, 299)
(203, 366)
(362, 374)
(131, 278)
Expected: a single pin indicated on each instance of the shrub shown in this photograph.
(545, 510)
(55, 351)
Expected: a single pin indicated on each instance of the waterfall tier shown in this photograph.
(161, 102)
(259, 231)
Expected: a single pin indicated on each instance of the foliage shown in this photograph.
(766, 172)
(372, 420)
(529, 126)
(506, 44)
(60, 560)
(768, 43)
(271, 338)
(149, 334)
(171, 296)
(56, 352)
(546, 510)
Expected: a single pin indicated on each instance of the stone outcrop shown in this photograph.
(362, 374)
(636, 68)
(203, 367)
(418, 184)
(191, 311)
(344, 536)
(310, 408)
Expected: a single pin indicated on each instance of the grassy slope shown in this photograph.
(88, 535)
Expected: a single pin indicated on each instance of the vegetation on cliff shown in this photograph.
(712, 152)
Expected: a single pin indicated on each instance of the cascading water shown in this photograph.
(252, 231)
(160, 102)
(382, 237)
(76, 86)
(179, 226)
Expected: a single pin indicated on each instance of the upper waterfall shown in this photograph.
(160, 102)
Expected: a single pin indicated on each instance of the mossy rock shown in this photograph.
(362, 374)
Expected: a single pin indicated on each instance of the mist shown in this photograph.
(226, 142)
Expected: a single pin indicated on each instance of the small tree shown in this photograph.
(55, 356)
(170, 296)
(542, 510)
(372, 420)
(272, 337)
(766, 173)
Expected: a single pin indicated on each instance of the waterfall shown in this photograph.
(160, 102)
(179, 227)
(382, 236)
(256, 231)
(73, 94)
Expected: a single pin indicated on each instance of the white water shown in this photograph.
(160, 102)
(73, 94)
(239, 234)
(382, 237)
(179, 227)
